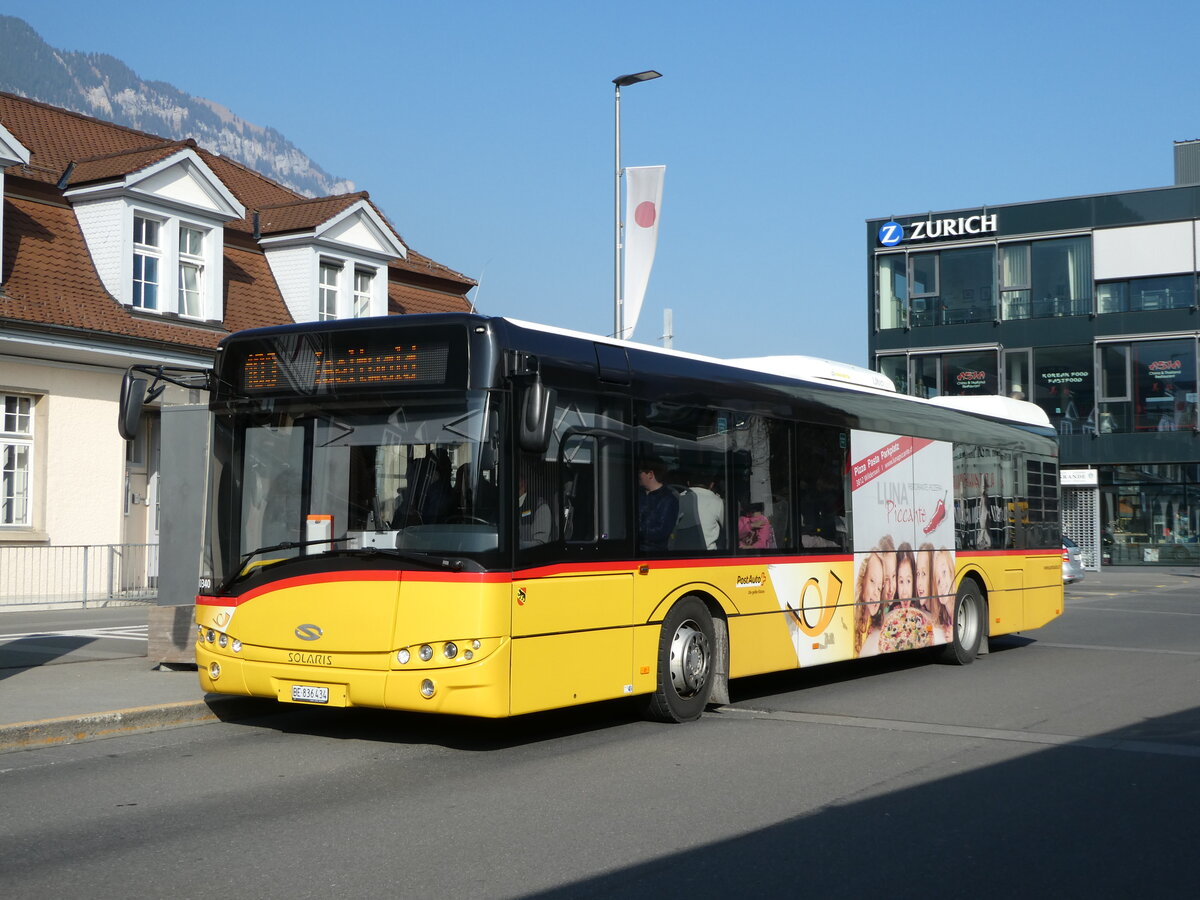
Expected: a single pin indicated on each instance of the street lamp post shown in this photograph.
(618, 304)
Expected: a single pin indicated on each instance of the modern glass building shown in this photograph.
(1086, 306)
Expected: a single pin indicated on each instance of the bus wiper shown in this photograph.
(237, 573)
(431, 560)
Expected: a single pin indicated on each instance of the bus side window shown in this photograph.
(578, 471)
(576, 492)
(688, 448)
(821, 469)
(762, 478)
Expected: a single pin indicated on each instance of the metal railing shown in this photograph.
(81, 575)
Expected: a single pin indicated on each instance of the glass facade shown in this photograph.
(1114, 362)
(983, 284)
(1150, 515)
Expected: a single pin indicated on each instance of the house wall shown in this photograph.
(79, 465)
(101, 223)
(295, 270)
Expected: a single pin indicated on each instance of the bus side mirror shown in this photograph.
(536, 420)
(129, 416)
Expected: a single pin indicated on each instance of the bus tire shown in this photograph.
(686, 668)
(967, 629)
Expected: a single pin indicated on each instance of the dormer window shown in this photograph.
(147, 253)
(330, 256)
(364, 285)
(165, 250)
(153, 220)
(191, 271)
(327, 296)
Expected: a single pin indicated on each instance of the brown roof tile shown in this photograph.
(48, 276)
(111, 166)
(55, 137)
(306, 214)
(406, 298)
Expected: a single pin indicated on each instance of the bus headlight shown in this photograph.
(427, 689)
(223, 641)
(237, 646)
(403, 656)
(426, 653)
(450, 650)
(210, 636)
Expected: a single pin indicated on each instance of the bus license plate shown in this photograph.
(307, 693)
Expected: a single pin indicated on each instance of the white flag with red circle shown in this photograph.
(643, 209)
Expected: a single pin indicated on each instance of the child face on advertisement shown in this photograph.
(904, 582)
(889, 576)
(873, 587)
(943, 577)
(922, 580)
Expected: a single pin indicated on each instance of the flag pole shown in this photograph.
(618, 324)
(618, 310)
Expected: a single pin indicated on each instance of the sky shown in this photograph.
(484, 130)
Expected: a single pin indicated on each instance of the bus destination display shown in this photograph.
(305, 369)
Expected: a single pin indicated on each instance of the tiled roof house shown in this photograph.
(119, 247)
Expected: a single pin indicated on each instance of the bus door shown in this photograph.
(572, 611)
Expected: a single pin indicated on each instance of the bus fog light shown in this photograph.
(426, 653)
(403, 656)
(223, 641)
(210, 636)
(214, 671)
(237, 646)
(450, 650)
(426, 688)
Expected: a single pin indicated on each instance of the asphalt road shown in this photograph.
(49, 637)
(1064, 763)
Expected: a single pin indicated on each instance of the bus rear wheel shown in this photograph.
(967, 629)
(685, 663)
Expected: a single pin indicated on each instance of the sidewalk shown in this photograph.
(44, 705)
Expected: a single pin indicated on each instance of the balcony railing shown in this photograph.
(83, 576)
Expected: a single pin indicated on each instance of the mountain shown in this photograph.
(102, 86)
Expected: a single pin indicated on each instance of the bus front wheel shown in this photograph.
(967, 629)
(686, 667)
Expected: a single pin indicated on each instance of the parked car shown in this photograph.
(1072, 561)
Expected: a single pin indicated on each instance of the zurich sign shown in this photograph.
(891, 233)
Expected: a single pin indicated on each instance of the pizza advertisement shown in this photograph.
(902, 500)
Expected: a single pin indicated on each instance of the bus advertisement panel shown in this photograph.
(902, 497)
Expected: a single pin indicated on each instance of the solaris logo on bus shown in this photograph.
(891, 233)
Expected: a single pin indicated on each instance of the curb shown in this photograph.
(115, 723)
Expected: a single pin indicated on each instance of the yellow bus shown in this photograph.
(479, 516)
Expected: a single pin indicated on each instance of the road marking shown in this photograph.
(989, 734)
(1125, 649)
(116, 632)
(1135, 612)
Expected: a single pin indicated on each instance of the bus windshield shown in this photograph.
(290, 479)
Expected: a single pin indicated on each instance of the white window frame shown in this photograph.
(191, 259)
(328, 289)
(148, 254)
(12, 442)
(364, 290)
(176, 250)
